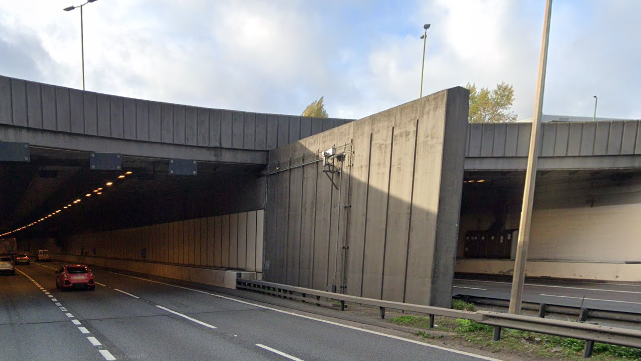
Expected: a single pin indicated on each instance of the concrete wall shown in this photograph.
(386, 225)
(233, 241)
(47, 107)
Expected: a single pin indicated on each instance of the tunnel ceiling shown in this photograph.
(54, 179)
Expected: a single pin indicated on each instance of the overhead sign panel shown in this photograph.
(183, 167)
(105, 161)
(14, 152)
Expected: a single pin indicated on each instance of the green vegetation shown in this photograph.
(316, 109)
(462, 305)
(491, 106)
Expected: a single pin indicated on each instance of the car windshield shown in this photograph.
(5, 259)
(76, 270)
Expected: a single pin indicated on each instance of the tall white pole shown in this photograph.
(518, 280)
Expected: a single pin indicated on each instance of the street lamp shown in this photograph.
(596, 100)
(424, 37)
(82, 41)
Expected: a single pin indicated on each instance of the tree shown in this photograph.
(491, 106)
(316, 109)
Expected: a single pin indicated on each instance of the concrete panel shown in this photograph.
(629, 137)
(375, 231)
(48, 107)
(305, 127)
(5, 100)
(190, 235)
(63, 110)
(226, 129)
(218, 241)
(260, 229)
(211, 236)
(587, 139)
(167, 123)
(317, 125)
(549, 139)
(197, 242)
(249, 130)
(77, 111)
(202, 119)
(104, 115)
(511, 139)
(283, 130)
(295, 199)
(155, 122)
(250, 260)
(574, 139)
(203, 242)
(326, 124)
(272, 131)
(237, 129)
(279, 263)
(308, 216)
(19, 102)
(562, 140)
(476, 136)
(615, 140)
(142, 120)
(129, 118)
(179, 126)
(233, 240)
(399, 206)
(117, 117)
(34, 105)
(215, 130)
(487, 140)
(500, 132)
(173, 250)
(294, 129)
(523, 145)
(242, 241)
(637, 147)
(191, 126)
(601, 138)
(225, 241)
(261, 132)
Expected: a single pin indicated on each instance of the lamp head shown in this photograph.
(70, 8)
(426, 26)
(91, 1)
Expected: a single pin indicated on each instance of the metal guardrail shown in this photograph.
(588, 332)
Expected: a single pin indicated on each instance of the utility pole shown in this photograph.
(518, 280)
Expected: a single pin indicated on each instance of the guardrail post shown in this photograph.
(318, 299)
(587, 351)
(304, 296)
(382, 313)
(542, 308)
(584, 314)
(431, 321)
(497, 333)
(342, 305)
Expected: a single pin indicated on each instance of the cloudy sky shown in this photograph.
(363, 56)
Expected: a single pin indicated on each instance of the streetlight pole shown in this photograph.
(518, 280)
(596, 100)
(424, 37)
(82, 40)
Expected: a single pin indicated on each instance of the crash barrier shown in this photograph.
(587, 332)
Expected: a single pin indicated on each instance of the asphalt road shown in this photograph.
(620, 297)
(130, 318)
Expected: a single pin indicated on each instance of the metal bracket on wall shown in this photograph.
(183, 167)
(14, 152)
(105, 161)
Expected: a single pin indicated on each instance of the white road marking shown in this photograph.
(83, 330)
(54, 300)
(320, 320)
(128, 294)
(47, 293)
(69, 315)
(591, 299)
(50, 296)
(107, 355)
(101, 284)
(279, 352)
(470, 288)
(566, 287)
(94, 341)
(187, 317)
(76, 322)
(63, 309)
(58, 304)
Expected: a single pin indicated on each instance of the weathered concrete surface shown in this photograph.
(385, 223)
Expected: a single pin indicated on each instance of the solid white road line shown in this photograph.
(94, 341)
(76, 322)
(128, 294)
(83, 330)
(567, 287)
(278, 352)
(470, 288)
(187, 317)
(591, 299)
(320, 320)
(107, 355)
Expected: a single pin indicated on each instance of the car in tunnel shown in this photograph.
(22, 258)
(7, 265)
(75, 276)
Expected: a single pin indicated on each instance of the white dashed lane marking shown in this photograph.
(187, 317)
(281, 353)
(83, 329)
(107, 355)
(76, 322)
(128, 294)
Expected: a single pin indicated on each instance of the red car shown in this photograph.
(75, 276)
